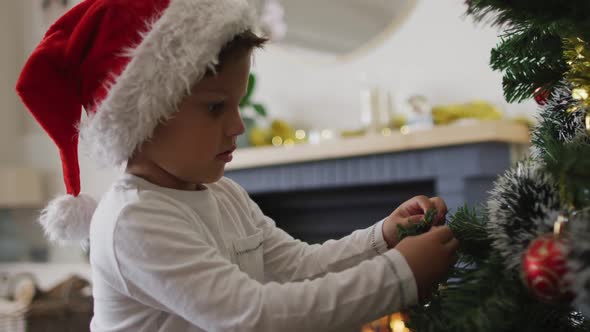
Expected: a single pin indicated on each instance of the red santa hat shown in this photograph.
(128, 64)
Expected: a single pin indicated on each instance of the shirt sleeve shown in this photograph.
(166, 263)
(288, 259)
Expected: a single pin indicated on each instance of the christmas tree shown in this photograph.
(524, 260)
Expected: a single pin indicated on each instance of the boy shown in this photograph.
(174, 245)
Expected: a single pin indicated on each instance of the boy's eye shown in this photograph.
(215, 107)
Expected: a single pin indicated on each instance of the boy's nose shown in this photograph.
(236, 125)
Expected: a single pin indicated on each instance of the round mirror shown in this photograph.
(340, 28)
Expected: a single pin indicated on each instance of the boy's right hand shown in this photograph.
(429, 255)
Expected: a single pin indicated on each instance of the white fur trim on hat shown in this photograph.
(174, 54)
(67, 218)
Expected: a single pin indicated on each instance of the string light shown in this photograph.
(277, 141)
(300, 134)
(397, 324)
(579, 94)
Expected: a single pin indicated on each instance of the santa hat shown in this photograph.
(128, 64)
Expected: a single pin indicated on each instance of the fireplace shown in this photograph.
(327, 199)
(315, 216)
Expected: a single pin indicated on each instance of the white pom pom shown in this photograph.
(67, 218)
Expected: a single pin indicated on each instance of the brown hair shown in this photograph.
(241, 43)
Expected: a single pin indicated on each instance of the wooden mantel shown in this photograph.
(441, 136)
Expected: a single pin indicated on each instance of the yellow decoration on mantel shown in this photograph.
(280, 133)
(480, 110)
(282, 129)
(353, 133)
(398, 120)
(259, 136)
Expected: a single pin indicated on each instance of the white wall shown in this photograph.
(11, 38)
(436, 53)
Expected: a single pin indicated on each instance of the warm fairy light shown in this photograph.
(393, 323)
(405, 130)
(386, 132)
(289, 142)
(300, 134)
(277, 141)
(396, 324)
(580, 94)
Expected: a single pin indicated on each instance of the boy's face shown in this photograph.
(194, 146)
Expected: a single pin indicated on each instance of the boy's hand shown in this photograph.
(412, 210)
(429, 256)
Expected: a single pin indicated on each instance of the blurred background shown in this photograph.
(355, 105)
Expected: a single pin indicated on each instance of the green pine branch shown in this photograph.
(487, 298)
(570, 163)
(477, 299)
(570, 15)
(558, 124)
(531, 52)
(527, 43)
(481, 294)
(416, 228)
(530, 58)
(469, 229)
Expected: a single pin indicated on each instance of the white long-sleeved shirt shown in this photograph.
(210, 260)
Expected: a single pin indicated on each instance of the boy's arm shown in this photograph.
(164, 262)
(288, 259)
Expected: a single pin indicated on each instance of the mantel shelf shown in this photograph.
(487, 131)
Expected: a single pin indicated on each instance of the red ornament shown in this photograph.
(541, 95)
(544, 269)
